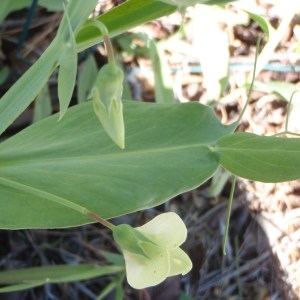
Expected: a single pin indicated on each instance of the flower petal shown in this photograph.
(180, 262)
(166, 230)
(143, 272)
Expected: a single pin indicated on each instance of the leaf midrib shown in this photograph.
(109, 156)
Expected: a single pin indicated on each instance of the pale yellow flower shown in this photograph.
(152, 251)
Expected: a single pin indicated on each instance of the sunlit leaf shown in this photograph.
(166, 154)
(67, 76)
(120, 19)
(163, 82)
(283, 89)
(184, 3)
(67, 68)
(266, 159)
(262, 22)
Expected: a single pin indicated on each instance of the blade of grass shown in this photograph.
(230, 200)
(42, 105)
(122, 18)
(67, 69)
(163, 81)
(275, 37)
(24, 91)
(86, 79)
(36, 276)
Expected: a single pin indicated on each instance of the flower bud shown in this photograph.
(106, 97)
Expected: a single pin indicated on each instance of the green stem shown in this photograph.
(100, 220)
(252, 82)
(288, 111)
(230, 200)
(57, 199)
(109, 48)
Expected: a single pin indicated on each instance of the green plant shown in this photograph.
(65, 171)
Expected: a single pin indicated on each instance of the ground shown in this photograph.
(262, 258)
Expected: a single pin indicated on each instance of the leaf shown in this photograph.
(86, 78)
(53, 5)
(163, 82)
(8, 6)
(275, 37)
(166, 154)
(4, 73)
(266, 159)
(67, 72)
(24, 91)
(284, 90)
(118, 20)
(36, 276)
(183, 3)
(219, 2)
(42, 105)
(252, 10)
(113, 258)
(116, 284)
(76, 14)
(22, 286)
(262, 22)
(125, 16)
(106, 96)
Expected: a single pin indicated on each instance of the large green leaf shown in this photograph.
(282, 89)
(167, 152)
(36, 276)
(266, 159)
